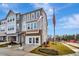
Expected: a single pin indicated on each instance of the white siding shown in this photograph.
(12, 23)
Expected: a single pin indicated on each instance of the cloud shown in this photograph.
(9, 6)
(4, 5)
(65, 6)
(69, 22)
(47, 7)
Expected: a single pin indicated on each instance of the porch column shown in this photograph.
(7, 38)
(17, 38)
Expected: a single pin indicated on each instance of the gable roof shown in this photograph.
(10, 11)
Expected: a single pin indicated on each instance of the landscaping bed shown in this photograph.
(49, 51)
(54, 48)
(6, 44)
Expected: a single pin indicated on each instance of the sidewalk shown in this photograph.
(74, 44)
(74, 49)
(13, 51)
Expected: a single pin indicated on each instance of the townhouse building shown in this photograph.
(28, 28)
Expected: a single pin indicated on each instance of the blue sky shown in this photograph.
(67, 15)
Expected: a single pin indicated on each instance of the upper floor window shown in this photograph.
(28, 26)
(17, 16)
(28, 16)
(0, 23)
(24, 17)
(31, 25)
(37, 14)
(35, 25)
(11, 28)
(10, 20)
(13, 19)
(4, 22)
(32, 15)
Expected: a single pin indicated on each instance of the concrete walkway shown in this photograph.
(72, 48)
(15, 52)
(74, 44)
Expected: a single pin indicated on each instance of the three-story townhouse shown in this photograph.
(28, 28)
(3, 30)
(34, 28)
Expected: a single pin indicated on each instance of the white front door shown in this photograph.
(32, 40)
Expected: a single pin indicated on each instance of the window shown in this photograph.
(33, 40)
(30, 40)
(12, 28)
(28, 16)
(37, 14)
(10, 20)
(17, 16)
(0, 23)
(17, 26)
(37, 40)
(8, 29)
(28, 26)
(35, 25)
(31, 25)
(4, 22)
(24, 17)
(13, 19)
(33, 16)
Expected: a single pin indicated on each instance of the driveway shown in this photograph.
(16, 52)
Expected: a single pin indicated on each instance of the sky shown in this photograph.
(67, 15)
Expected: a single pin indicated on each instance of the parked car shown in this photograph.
(73, 41)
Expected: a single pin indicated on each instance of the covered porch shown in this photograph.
(2, 37)
(12, 38)
(32, 37)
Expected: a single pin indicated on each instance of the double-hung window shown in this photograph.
(35, 25)
(30, 40)
(31, 25)
(28, 26)
(32, 15)
(28, 16)
(37, 14)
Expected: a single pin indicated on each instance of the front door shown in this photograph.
(33, 40)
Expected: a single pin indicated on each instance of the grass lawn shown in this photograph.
(54, 48)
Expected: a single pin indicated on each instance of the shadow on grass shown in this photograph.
(44, 51)
(49, 51)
